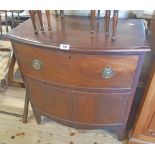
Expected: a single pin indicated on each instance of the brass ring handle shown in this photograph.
(107, 73)
(37, 64)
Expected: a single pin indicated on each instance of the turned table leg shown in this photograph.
(107, 21)
(32, 14)
(115, 20)
(48, 20)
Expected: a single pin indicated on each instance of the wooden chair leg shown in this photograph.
(0, 25)
(107, 21)
(115, 20)
(62, 13)
(98, 14)
(3, 85)
(26, 107)
(48, 20)
(11, 82)
(11, 69)
(6, 21)
(40, 20)
(18, 18)
(56, 13)
(12, 20)
(32, 15)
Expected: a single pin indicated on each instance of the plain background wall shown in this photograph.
(122, 13)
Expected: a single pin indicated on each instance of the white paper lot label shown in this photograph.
(64, 46)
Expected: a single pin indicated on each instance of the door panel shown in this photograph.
(49, 100)
(99, 108)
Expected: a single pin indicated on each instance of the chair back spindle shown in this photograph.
(115, 20)
(40, 20)
(93, 13)
(93, 18)
(32, 15)
(48, 20)
(107, 21)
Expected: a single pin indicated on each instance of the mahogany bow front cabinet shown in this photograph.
(79, 79)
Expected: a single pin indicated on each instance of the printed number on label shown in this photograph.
(64, 46)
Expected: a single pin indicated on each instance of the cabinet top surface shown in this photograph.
(76, 32)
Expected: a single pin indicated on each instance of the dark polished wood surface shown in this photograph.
(68, 85)
(88, 68)
(76, 32)
(88, 108)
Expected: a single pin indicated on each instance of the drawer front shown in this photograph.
(100, 108)
(77, 70)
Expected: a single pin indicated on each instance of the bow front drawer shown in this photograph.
(77, 70)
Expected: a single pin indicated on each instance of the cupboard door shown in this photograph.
(49, 100)
(99, 108)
